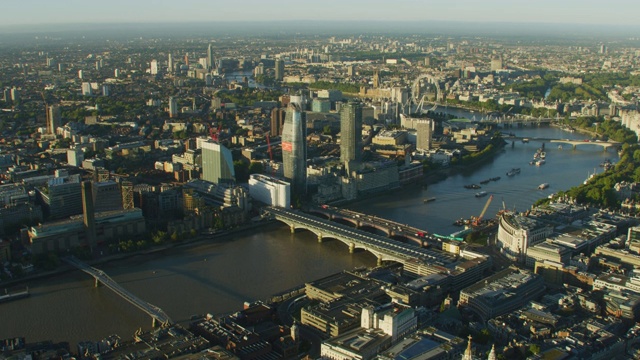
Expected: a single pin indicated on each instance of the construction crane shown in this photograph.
(273, 168)
(476, 221)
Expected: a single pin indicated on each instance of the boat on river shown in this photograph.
(513, 172)
(428, 200)
(543, 186)
(472, 186)
(481, 194)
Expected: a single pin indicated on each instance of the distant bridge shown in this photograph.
(416, 260)
(574, 143)
(157, 315)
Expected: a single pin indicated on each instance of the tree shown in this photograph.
(534, 349)
(241, 169)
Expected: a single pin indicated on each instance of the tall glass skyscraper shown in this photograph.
(217, 163)
(351, 134)
(294, 147)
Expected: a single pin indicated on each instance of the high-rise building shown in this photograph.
(6, 95)
(53, 119)
(80, 74)
(294, 146)
(277, 121)
(351, 70)
(217, 163)
(154, 67)
(170, 63)
(75, 157)
(116, 73)
(350, 134)
(496, 63)
(279, 69)
(86, 89)
(15, 94)
(106, 90)
(270, 191)
(210, 59)
(62, 198)
(126, 187)
(173, 107)
(424, 128)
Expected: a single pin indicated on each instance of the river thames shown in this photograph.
(217, 277)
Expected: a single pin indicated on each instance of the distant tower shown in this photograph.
(53, 119)
(376, 78)
(496, 63)
(210, 59)
(277, 121)
(170, 63)
(350, 134)
(154, 67)
(116, 73)
(88, 214)
(279, 69)
(351, 70)
(294, 146)
(127, 195)
(86, 89)
(173, 107)
(15, 94)
(217, 163)
(80, 74)
(186, 59)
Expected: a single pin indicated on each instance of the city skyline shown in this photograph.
(38, 12)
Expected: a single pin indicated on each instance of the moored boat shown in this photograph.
(543, 186)
(481, 194)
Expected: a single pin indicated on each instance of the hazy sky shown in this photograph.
(614, 12)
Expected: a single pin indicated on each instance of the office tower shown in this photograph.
(277, 121)
(80, 74)
(75, 157)
(15, 94)
(217, 163)
(350, 134)
(424, 129)
(496, 63)
(86, 89)
(88, 214)
(116, 73)
(154, 67)
(170, 63)
(173, 107)
(62, 198)
(210, 60)
(294, 146)
(53, 119)
(186, 59)
(98, 65)
(106, 90)
(6, 95)
(279, 69)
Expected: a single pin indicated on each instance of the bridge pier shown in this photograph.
(379, 262)
(154, 322)
(320, 238)
(352, 248)
(96, 283)
(293, 228)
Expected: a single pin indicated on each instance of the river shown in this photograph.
(217, 277)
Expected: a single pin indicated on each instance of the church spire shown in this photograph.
(468, 355)
(492, 354)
